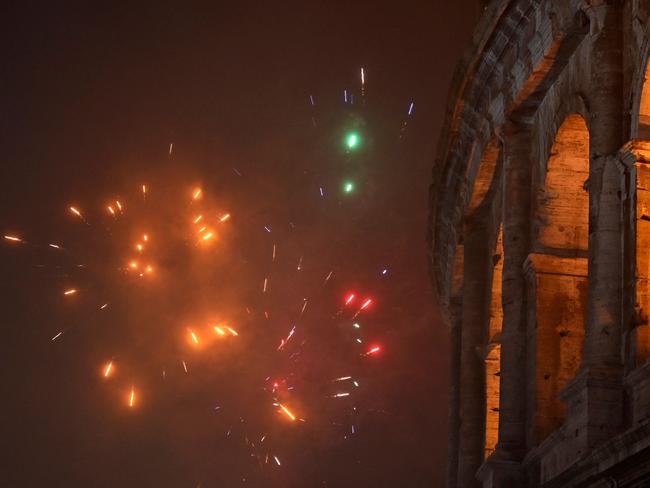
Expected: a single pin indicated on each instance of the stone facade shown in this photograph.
(540, 247)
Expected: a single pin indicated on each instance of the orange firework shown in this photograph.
(132, 398)
(287, 412)
(108, 369)
(194, 337)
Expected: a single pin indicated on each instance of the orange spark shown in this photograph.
(55, 246)
(194, 338)
(108, 369)
(76, 212)
(287, 412)
(149, 269)
(71, 291)
(139, 247)
(132, 398)
(13, 238)
(133, 265)
(233, 332)
(209, 235)
(110, 209)
(225, 217)
(144, 189)
(219, 330)
(197, 194)
(145, 237)
(118, 205)
(196, 220)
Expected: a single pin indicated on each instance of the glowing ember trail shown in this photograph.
(197, 194)
(132, 398)
(108, 369)
(194, 338)
(373, 350)
(13, 238)
(287, 412)
(76, 212)
(71, 291)
(349, 299)
(366, 304)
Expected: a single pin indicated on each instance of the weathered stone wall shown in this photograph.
(540, 241)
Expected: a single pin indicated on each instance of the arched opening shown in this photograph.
(563, 202)
(557, 279)
(493, 351)
(640, 333)
(644, 107)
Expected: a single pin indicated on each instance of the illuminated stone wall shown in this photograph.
(540, 246)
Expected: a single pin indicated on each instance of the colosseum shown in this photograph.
(540, 246)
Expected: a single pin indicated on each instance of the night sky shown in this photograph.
(91, 98)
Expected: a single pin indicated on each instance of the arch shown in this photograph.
(493, 351)
(484, 175)
(643, 131)
(640, 333)
(557, 280)
(563, 202)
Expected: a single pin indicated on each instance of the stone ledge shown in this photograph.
(550, 264)
(638, 383)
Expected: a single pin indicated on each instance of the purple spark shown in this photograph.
(410, 109)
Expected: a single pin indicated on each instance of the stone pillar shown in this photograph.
(475, 316)
(503, 467)
(603, 342)
(594, 398)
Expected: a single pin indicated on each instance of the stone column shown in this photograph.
(603, 342)
(475, 316)
(594, 398)
(503, 468)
